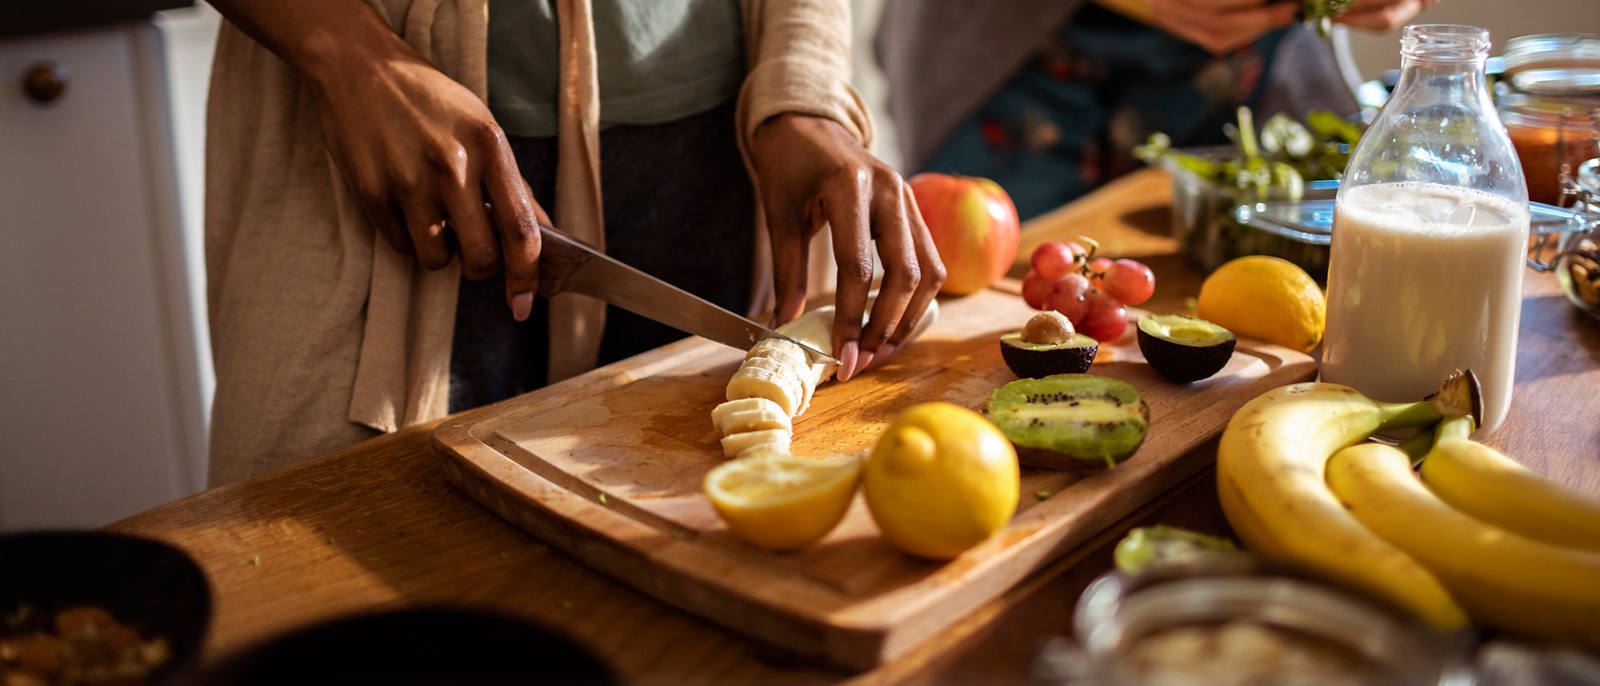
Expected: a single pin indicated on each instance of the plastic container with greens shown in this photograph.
(1285, 161)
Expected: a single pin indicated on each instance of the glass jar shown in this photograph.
(1549, 100)
(1251, 627)
(1429, 230)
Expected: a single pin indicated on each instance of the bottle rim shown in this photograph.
(1444, 42)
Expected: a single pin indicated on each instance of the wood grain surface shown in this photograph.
(377, 525)
(613, 477)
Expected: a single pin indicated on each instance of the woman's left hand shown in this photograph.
(813, 173)
(1383, 15)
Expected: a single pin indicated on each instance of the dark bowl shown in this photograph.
(149, 586)
(426, 645)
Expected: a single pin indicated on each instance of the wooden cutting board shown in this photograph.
(608, 467)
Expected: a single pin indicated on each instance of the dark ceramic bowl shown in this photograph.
(437, 645)
(149, 586)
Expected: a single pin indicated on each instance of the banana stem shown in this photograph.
(1453, 428)
(1418, 446)
(1458, 398)
(1423, 413)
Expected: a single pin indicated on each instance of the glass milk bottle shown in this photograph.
(1429, 231)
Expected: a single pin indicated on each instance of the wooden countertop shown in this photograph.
(376, 525)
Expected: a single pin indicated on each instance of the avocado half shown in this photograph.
(1184, 348)
(1032, 360)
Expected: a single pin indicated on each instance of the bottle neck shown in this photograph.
(1447, 80)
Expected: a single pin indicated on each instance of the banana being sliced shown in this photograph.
(779, 349)
(774, 439)
(776, 381)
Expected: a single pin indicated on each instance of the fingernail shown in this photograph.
(521, 306)
(886, 351)
(866, 361)
(848, 356)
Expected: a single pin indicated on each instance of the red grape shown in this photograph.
(1129, 281)
(1052, 260)
(1106, 317)
(1067, 296)
(1036, 291)
(1078, 251)
(1097, 270)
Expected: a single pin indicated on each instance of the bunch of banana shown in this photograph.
(1477, 535)
(1270, 481)
(775, 382)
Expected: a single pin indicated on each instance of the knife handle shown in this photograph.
(559, 256)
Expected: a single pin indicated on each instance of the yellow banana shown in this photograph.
(1481, 482)
(1504, 580)
(1270, 480)
(1247, 525)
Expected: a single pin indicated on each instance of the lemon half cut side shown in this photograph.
(783, 502)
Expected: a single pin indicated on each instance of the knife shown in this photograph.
(567, 265)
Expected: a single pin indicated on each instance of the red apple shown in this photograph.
(974, 227)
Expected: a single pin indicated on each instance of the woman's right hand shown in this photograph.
(428, 164)
(1222, 26)
(431, 169)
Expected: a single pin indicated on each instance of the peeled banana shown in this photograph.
(777, 378)
(1270, 463)
(1481, 482)
(1503, 579)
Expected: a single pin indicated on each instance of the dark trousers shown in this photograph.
(677, 204)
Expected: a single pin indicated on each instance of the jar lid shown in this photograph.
(1562, 64)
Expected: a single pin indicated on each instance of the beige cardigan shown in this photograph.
(321, 332)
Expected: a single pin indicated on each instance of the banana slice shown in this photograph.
(769, 417)
(763, 378)
(775, 439)
(762, 449)
(720, 412)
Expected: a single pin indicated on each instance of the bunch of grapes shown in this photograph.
(1093, 292)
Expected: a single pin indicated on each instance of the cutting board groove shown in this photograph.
(608, 467)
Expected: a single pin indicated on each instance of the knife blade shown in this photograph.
(567, 265)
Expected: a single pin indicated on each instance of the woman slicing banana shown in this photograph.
(375, 171)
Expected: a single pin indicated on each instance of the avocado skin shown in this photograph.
(1184, 363)
(1033, 364)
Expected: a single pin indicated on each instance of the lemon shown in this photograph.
(940, 480)
(1266, 298)
(782, 502)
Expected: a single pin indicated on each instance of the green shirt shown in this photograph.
(658, 61)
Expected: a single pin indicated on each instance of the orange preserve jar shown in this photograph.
(1549, 101)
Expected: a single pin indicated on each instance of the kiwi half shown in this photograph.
(1028, 359)
(1066, 420)
(1184, 348)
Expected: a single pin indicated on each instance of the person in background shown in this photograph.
(377, 171)
(1049, 97)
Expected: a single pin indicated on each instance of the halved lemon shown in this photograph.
(783, 502)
